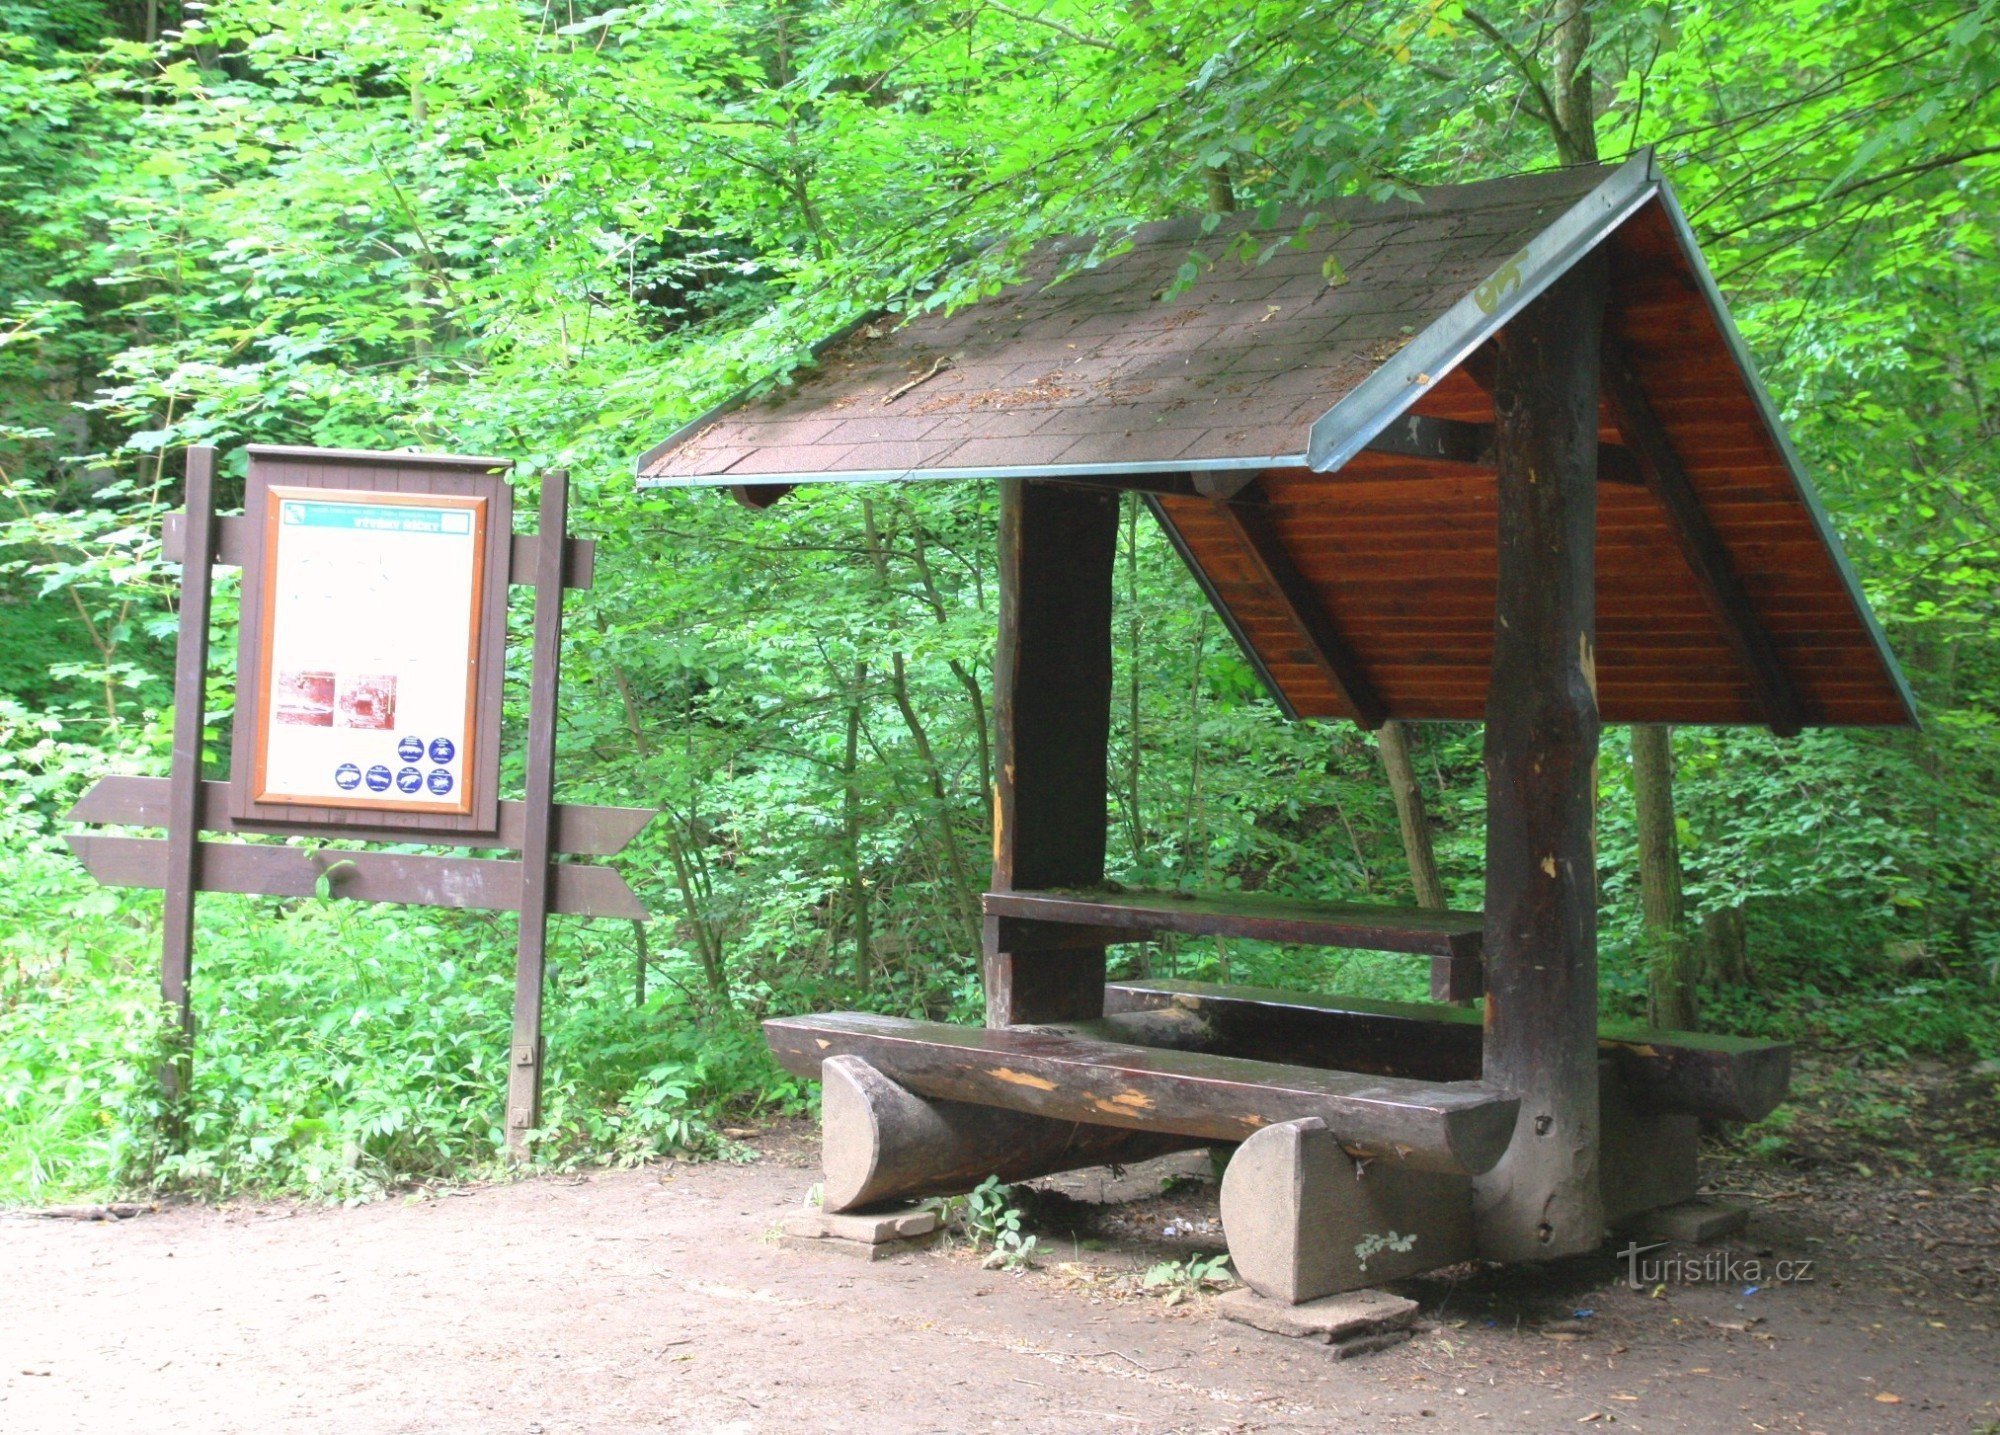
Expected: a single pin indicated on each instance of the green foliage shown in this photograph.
(555, 235)
(992, 1222)
(1182, 1280)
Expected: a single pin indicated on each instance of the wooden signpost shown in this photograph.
(369, 707)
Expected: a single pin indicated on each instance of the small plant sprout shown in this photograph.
(1182, 1280)
(993, 1221)
(1373, 1244)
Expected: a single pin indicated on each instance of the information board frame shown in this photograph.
(280, 474)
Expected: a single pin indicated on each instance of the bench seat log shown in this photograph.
(1138, 914)
(881, 1142)
(1459, 1127)
(1721, 1078)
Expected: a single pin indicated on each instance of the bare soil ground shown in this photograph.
(658, 1299)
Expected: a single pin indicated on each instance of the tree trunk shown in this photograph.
(1725, 951)
(850, 804)
(1392, 740)
(1575, 108)
(965, 898)
(1670, 976)
(708, 941)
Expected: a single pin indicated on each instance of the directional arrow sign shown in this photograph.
(262, 869)
(580, 831)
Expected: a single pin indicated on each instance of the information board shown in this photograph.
(371, 607)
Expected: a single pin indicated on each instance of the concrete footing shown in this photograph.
(1353, 1322)
(1699, 1222)
(1306, 1220)
(871, 1237)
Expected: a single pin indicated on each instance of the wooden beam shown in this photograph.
(266, 869)
(1460, 442)
(1718, 1078)
(1249, 518)
(1544, 1200)
(234, 539)
(1706, 556)
(1052, 721)
(1453, 1127)
(1445, 440)
(759, 496)
(1135, 914)
(180, 854)
(537, 866)
(580, 831)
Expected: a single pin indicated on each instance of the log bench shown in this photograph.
(1350, 1114)
(1458, 1127)
(1718, 1078)
(1046, 919)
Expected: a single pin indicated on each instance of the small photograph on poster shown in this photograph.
(303, 699)
(368, 701)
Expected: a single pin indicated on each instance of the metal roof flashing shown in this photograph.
(1384, 396)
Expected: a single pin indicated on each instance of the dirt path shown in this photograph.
(656, 1300)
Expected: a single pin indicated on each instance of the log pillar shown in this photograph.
(1543, 1199)
(1052, 715)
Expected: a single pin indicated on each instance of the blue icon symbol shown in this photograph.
(378, 778)
(411, 749)
(439, 781)
(408, 779)
(441, 749)
(347, 777)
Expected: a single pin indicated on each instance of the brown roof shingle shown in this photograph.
(1097, 370)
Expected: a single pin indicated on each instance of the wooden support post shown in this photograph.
(524, 1069)
(1542, 1200)
(183, 876)
(1052, 713)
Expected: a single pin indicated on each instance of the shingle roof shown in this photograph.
(1290, 367)
(1098, 372)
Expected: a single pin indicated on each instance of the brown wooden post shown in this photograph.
(1052, 712)
(183, 876)
(524, 1075)
(1542, 1200)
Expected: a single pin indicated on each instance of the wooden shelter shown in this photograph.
(1493, 452)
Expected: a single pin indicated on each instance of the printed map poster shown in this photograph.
(370, 649)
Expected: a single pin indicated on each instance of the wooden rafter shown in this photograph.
(1706, 556)
(1248, 516)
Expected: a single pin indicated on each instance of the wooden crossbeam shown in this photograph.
(234, 539)
(1706, 556)
(1459, 1127)
(759, 496)
(269, 870)
(1249, 518)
